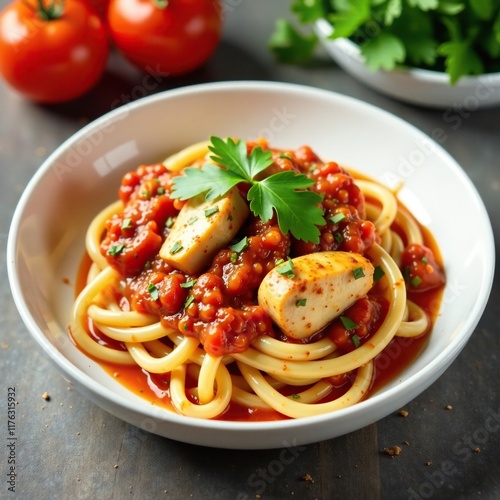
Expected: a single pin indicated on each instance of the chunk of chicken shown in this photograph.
(304, 294)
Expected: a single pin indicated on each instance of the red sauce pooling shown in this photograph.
(222, 311)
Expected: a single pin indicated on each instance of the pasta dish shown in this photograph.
(244, 281)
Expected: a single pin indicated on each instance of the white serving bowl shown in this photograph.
(412, 85)
(46, 240)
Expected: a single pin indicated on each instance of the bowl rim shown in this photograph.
(432, 369)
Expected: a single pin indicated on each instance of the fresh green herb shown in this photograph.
(424, 260)
(337, 217)
(127, 223)
(240, 246)
(160, 190)
(188, 284)
(295, 396)
(153, 291)
(169, 222)
(348, 323)
(286, 269)
(300, 302)
(286, 157)
(145, 193)
(211, 211)
(459, 38)
(233, 258)
(189, 301)
(338, 237)
(177, 247)
(378, 273)
(356, 341)
(279, 261)
(416, 281)
(192, 220)
(358, 273)
(116, 249)
(284, 193)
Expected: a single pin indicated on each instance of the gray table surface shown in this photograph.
(69, 448)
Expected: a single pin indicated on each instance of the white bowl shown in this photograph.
(412, 85)
(46, 240)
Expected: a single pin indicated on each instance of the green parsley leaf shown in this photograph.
(160, 190)
(378, 273)
(337, 217)
(286, 269)
(233, 156)
(240, 246)
(416, 281)
(424, 4)
(295, 396)
(211, 211)
(461, 59)
(192, 220)
(169, 222)
(153, 291)
(338, 237)
(355, 340)
(383, 52)
(289, 45)
(358, 273)
(116, 249)
(300, 302)
(177, 247)
(297, 209)
(189, 301)
(284, 193)
(309, 11)
(349, 16)
(127, 223)
(188, 284)
(348, 323)
(210, 179)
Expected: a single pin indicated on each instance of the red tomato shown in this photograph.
(165, 37)
(56, 59)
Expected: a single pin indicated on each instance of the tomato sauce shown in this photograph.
(219, 306)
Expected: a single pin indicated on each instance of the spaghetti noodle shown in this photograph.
(206, 333)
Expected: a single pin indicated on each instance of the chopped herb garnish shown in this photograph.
(378, 273)
(176, 248)
(300, 302)
(295, 396)
(406, 273)
(358, 273)
(153, 291)
(169, 222)
(283, 194)
(233, 258)
(188, 284)
(160, 190)
(116, 249)
(211, 211)
(338, 237)
(278, 262)
(424, 260)
(145, 193)
(286, 157)
(416, 281)
(127, 223)
(286, 269)
(240, 246)
(192, 220)
(337, 217)
(356, 341)
(189, 301)
(348, 323)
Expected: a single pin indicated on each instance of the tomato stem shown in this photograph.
(50, 11)
(161, 4)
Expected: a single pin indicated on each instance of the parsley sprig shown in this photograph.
(284, 193)
(460, 38)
